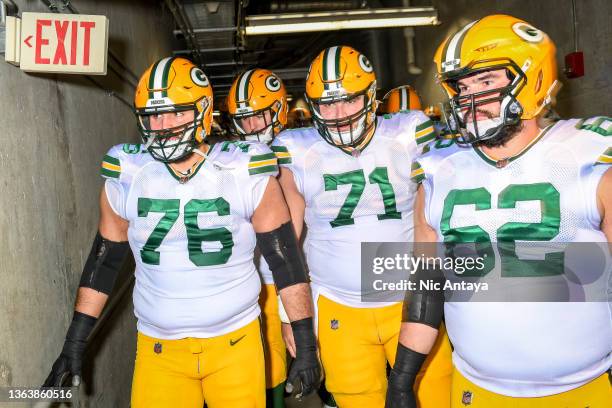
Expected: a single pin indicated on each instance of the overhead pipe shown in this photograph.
(413, 69)
(185, 27)
(205, 50)
(207, 30)
(291, 23)
(284, 6)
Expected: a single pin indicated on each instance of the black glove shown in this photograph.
(69, 362)
(305, 371)
(401, 379)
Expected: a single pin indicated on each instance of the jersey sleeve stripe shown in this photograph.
(271, 162)
(109, 173)
(427, 137)
(111, 160)
(605, 158)
(424, 131)
(424, 125)
(282, 154)
(260, 157)
(273, 169)
(111, 167)
(418, 174)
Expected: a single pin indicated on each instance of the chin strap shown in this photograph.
(216, 163)
(201, 153)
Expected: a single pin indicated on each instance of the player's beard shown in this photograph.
(505, 134)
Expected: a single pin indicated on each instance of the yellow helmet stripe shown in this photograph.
(452, 56)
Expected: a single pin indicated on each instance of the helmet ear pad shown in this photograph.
(204, 108)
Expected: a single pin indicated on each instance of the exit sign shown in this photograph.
(64, 43)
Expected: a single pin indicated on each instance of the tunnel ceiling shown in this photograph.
(209, 33)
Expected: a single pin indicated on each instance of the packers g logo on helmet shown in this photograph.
(528, 32)
(273, 83)
(497, 42)
(257, 93)
(342, 74)
(198, 77)
(173, 85)
(364, 63)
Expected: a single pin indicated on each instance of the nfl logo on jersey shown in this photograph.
(334, 324)
(467, 398)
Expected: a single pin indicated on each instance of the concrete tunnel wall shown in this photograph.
(54, 131)
(587, 96)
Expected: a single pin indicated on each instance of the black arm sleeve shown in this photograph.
(103, 264)
(426, 303)
(280, 249)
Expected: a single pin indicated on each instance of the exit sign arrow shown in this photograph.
(27, 41)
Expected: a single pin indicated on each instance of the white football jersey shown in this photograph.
(545, 193)
(193, 243)
(352, 199)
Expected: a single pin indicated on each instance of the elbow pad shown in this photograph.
(103, 264)
(280, 250)
(426, 303)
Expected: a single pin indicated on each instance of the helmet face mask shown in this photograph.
(265, 134)
(174, 143)
(462, 109)
(347, 131)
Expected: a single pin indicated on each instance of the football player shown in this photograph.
(507, 180)
(257, 105)
(347, 179)
(399, 99)
(191, 215)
